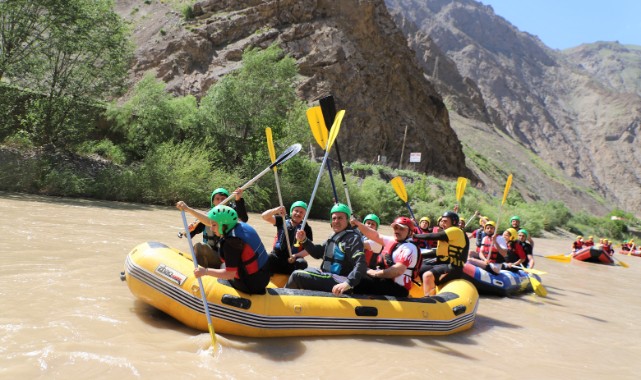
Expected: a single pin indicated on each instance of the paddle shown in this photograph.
(529, 270)
(623, 264)
(320, 132)
(399, 188)
(508, 184)
(329, 113)
(562, 258)
(539, 289)
(461, 183)
(286, 155)
(330, 141)
(200, 281)
(272, 156)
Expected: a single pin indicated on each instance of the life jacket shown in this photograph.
(334, 257)
(385, 259)
(254, 255)
(577, 245)
(480, 234)
(490, 251)
(280, 243)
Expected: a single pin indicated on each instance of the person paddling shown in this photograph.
(207, 252)
(240, 249)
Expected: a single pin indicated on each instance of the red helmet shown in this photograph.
(404, 221)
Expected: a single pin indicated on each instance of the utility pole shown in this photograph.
(400, 163)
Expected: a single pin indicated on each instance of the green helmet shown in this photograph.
(340, 207)
(223, 216)
(524, 232)
(515, 218)
(219, 190)
(373, 218)
(297, 204)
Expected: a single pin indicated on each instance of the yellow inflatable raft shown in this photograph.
(163, 277)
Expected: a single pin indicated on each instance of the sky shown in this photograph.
(563, 24)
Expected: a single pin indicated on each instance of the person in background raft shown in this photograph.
(207, 252)
(578, 243)
(589, 242)
(343, 263)
(372, 248)
(396, 263)
(527, 248)
(279, 260)
(240, 249)
(451, 252)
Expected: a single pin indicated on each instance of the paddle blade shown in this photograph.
(399, 188)
(287, 154)
(317, 125)
(508, 184)
(335, 128)
(561, 258)
(623, 264)
(539, 289)
(270, 144)
(461, 183)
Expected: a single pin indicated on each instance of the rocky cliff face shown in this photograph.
(553, 107)
(351, 49)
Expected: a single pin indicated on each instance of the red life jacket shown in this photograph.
(385, 259)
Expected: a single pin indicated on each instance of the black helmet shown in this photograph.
(453, 217)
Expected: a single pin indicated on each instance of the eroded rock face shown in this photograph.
(350, 49)
(569, 114)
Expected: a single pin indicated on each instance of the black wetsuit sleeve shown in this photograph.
(441, 235)
(199, 229)
(241, 210)
(315, 250)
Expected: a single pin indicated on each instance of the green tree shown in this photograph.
(153, 116)
(238, 108)
(70, 54)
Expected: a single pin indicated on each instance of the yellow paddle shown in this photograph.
(272, 156)
(508, 184)
(461, 183)
(539, 289)
(200, 282)
(399, 188)
(320, 132)
(625, 265)
(562, 258)
(330, 141)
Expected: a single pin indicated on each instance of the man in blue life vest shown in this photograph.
(241, 250)
(343, 257)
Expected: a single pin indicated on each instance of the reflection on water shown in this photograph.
(67, 315)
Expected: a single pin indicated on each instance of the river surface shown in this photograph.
(65, 314)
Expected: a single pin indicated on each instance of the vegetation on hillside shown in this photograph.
(162, 148)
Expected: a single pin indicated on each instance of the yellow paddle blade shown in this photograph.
(539, 289)
(399, 188)
(508, 183)
(335, 128)
(623, 264)
(562, 258)
(461, 183)
(317, 125)
(270, 144)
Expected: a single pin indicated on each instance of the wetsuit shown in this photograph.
(343, 261)
(278, 257)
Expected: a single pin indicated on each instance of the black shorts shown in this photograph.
(444, 273)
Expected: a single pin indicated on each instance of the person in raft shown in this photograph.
(492, 253)
(578, 243)
(451, 253)
(527, 248)
(343, 263)
(240, 249)
(207, 252)
(372, 248)
(279, 260)
(396, 263)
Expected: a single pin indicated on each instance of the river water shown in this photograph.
(65, 314)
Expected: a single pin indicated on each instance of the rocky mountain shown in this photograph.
(574, 122)
(479, 97)
(615, 66)
(351, 49)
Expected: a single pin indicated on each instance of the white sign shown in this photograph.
(415, 157)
